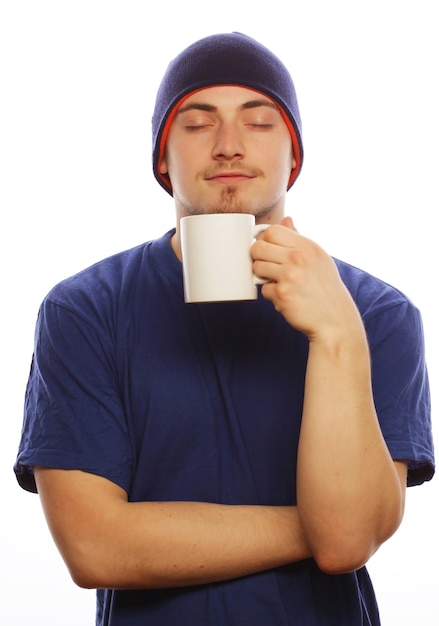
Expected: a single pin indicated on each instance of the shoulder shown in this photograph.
(105, 297)
(108, 273)
(112, 279)
(372, 295)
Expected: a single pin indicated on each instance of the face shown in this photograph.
(229, 151)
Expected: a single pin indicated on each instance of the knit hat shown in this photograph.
(224, 59)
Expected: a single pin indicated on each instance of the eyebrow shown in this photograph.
(210, 108)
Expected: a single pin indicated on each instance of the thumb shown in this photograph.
(288, 222)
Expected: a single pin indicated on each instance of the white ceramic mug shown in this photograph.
(217, 263)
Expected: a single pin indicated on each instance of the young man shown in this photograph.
(227, 463)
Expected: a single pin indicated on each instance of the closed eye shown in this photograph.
(195, 127)
(261, 126)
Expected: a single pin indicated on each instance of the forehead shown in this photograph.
(227, 96)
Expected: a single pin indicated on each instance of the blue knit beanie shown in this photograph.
(224, 59)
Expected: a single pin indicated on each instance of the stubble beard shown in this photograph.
(231, 201)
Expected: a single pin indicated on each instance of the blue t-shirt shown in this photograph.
(176, 401)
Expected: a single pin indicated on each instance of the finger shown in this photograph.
(283, 234)
(288, 222)
(269, 270)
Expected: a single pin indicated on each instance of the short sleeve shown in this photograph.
(74, 418)
(401, 387)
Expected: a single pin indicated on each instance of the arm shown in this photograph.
(350, 492)
(107, 541)
(357, 491)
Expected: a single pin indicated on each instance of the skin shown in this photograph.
(228, 150)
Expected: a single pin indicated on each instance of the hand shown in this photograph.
(305, 286)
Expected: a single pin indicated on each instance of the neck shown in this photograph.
(176, 244)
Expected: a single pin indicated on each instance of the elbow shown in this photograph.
(85, 575)
(342, 561)
(84, 581)
(342, 556)
(340, 552)
(90, 568)
(90, 577)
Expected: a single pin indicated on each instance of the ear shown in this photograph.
(163, 166)
(293, 163)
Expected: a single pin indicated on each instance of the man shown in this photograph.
(227, 463)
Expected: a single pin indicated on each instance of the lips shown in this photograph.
(229, 177)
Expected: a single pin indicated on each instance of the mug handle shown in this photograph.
(259, 228)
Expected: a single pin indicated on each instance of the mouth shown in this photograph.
(228, 178)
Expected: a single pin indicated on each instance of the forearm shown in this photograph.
(109, 542)
(194, 543)
(349, 495)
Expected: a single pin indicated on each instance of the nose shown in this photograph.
(228, 142)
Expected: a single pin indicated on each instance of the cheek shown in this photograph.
(179, 175)
(281, 163)
(184, 162)
(167, 163)
(176, 156)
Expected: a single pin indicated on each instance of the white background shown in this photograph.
(78, 82)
